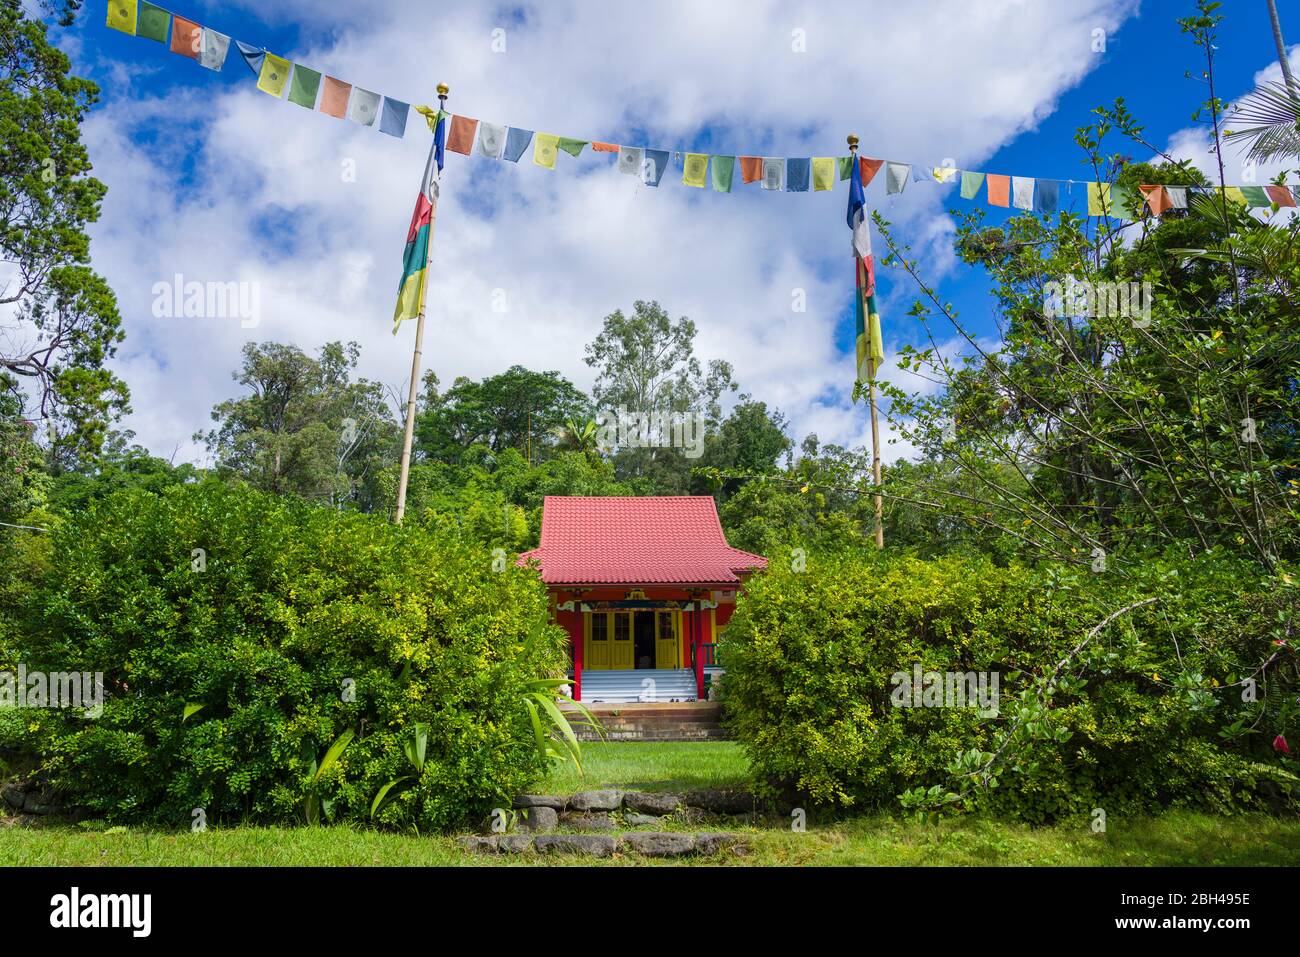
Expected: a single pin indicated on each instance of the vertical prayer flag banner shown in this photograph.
(392, 117)
(1099, 199)
(868, 342)
(213, 49)
(461, 138)
(724, 172)
(999, 189)
(970, 184)
(151, 22)
(253, 56)
(122, 15)
(187, 37)
(491, 140)
(798, 172)
(1280, 195)
(773, 172)
(544, 150)
(304, 86)
(896, 177)
(571, 146)
(334, 98)
(1022, 192)
(364, 107)
(868, 168)
(631, 160)
(517, 141)
(274, 75)
(656, 161)
(415, 258)
(694, 169)
(1047, 195)
(823, 173)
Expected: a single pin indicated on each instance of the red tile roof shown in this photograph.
(589, 540)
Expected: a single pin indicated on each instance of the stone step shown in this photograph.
(644, 843)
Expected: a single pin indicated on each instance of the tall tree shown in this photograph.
(61, 321)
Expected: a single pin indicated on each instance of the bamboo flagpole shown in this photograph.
(862, 307)
(405, 473)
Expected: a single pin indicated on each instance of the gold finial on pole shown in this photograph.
(443, 90)
(853, 142)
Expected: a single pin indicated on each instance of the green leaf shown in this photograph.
(191, 709)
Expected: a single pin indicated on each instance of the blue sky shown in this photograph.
(213, 180)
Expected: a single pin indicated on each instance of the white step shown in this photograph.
(622, 687)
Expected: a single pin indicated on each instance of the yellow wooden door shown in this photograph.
(666, 639)
(597, 655)
(622, 651)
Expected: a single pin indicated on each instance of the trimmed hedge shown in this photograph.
(810, 657)
(304, 622)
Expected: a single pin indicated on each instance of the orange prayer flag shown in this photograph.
(461, 137)
(1280, 195)
(751, 169)
(334, 98)
(869, 167)
(1157, 198)
(604, 147)
(999, 189)
(186, 37)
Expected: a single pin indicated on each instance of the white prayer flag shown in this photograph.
(1022, 192)
(631, 160)
(364, 107)
(491, 140)
(773, 172)
(213, 49)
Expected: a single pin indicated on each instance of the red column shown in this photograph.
(699, 653)
(573, 625)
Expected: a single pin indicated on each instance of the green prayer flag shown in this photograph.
(1256, 196)
(152, 22)
(970, 184)
(572, 147)
(1123, 201)
(724, 170)
(303, 86)
(846, 167)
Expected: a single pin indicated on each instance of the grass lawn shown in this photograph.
(1171, 839)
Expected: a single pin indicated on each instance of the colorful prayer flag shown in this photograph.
(1233, 194)
(694, 169)
(823, 173)
(274, 75)
(1124, 200)
(868, 344)
(1047, 195)
(517, 141)
(491, 140)
(1099, 203)
(773, 172)
(304, 86)
(1022, 192)
(571, 146)
(798, 173)
(868, 168)
(334, 98)
(1280, 195)
(544, 150)
(970, 184)
(599, 147)
(122, 15)
(461, 138)
(656, 161)
(1177, 196)
(751, 169)
(631, 161)
(724, 172)
(896, 177)
(213, 49)
(1256, 197)
(845, 164)
(151, 22)
(999, 189)
(1157, 198)
(364, 108)
(187, 37)
(392, 118)
(253, 56)
(415, 257)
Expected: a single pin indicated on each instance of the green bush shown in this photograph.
(1148, 720)
(304, 623)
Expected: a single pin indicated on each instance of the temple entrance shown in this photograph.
(644, 629)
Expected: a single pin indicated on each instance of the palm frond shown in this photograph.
(1274, 111)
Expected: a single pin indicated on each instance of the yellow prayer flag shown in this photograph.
(1234, 195)
(544, 146)
(274, 75)
(1099, 203)
(122, 15)
(823, 172)
(694, 169)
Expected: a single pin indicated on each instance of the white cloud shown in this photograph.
(224, 184)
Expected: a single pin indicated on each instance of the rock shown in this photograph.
(595, 845)
(35, 805)
(476, 843)
(651, 802)
(14, 797)
(659, 843)
(540, 800)
(539, 818)
(721, 801)
(599, 821)
(515, 843)
(715, 842)
(608, 800)
(640, 820)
